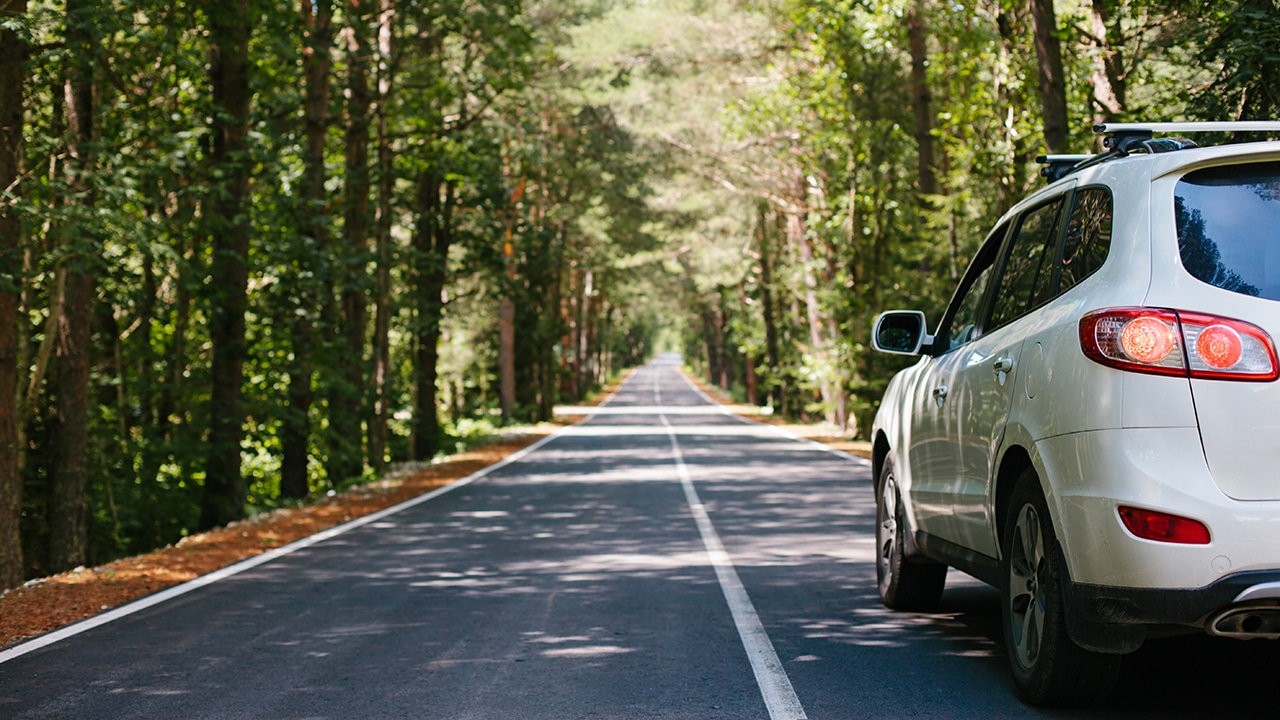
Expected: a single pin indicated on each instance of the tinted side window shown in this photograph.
(1228, 221)
(963, 321)
(1088, 236)
(964, 324)
(1028, 278)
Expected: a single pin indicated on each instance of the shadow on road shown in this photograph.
(803, 543)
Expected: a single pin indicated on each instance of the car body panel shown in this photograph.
(929, 456)
(978, 408)
(1159, 469)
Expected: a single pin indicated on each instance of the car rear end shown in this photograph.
(1194, 491)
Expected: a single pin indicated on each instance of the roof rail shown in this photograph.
(1124, 138)
(1187, 127)
(1057, 167)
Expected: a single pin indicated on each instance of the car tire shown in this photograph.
(913, 584)
(1048, 668)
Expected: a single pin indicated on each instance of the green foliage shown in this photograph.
(473, 93)
(1242, 40)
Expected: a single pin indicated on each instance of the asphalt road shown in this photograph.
(661, 560)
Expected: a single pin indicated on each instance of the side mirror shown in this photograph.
(900, 332)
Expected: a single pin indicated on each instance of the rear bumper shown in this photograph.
(1117, 619)
(1121, 589)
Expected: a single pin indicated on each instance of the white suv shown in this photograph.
(1094, 427)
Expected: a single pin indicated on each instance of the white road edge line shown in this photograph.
(781, 431)
(775, 687)
(164, 595)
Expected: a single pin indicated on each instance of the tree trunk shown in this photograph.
(226, 211)
(749, 359)
(813, 310)
(920, 99)
(1053, 84)
(68, 532)
(575, 333)
(709, 343)
(507, 338)
(722, 379)
(583, 353)
(1108, 73)
(507, 313)
(506, 358)
(553, 330)
(312, 291)
(348, 388)
(841, 396)
(386, 189)
(13, 54)
(595, 331)
(767, 311)
(431, 245)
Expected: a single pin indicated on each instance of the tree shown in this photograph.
(347, 387)
(13, 54)
(433, 237)
(380, 390)
(67, 530)
(920, 100)
(313, 298)
(1109, 75)
(1053, 85)
(229, 25)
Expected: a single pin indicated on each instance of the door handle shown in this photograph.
(1002, 368)
(940, 394)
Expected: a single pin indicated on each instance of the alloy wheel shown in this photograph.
(887, 532)
(1027, 565)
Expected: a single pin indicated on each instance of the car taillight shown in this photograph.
(1163, 527)
(1177, 342)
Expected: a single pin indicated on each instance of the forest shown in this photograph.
(254, 251)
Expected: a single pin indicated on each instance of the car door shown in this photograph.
(980, 386)
(932, 460)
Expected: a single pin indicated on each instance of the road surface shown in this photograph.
(661, 560)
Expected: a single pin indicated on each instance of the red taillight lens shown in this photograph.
(1163, 527)
(1219, 347)
(1139, 339)
(1228, 349)
(1147, 340)
(1176, 342)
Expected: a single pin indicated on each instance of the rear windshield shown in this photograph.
(1229, 227)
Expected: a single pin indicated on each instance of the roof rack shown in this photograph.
(1187, 127)
(1122, 139)
(1057, 167)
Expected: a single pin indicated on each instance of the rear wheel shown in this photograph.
(905, 583)
(1048, 668)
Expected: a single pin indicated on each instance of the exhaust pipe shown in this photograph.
(1246, 623)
